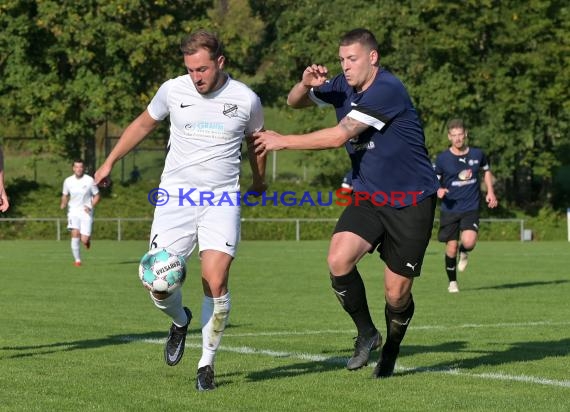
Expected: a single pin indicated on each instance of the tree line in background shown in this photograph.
(67, 68)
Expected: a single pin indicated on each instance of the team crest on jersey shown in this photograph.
(230, 110)
(465, 174)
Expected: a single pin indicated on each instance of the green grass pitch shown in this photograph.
(89, 338)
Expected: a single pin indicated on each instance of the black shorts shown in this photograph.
(401, 236)
(451, 224)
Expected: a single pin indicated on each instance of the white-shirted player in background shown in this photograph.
(79, 195)
(210, 115)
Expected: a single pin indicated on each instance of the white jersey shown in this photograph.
(81, 191)
(206, 133)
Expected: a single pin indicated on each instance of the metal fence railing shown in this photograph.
(60, 224)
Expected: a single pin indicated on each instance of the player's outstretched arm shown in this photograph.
(329, 138)
(131, 137)
(257, 163)
(313, 76)
(4, 204)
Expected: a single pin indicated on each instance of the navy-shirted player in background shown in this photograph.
(458, 170)
(395, 186)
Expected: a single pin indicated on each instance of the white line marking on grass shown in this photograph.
(289, 333)
(246, 350)
(424, 327)
(492, 325)
(518, 378)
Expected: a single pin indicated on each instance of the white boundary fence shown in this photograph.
(60, 224)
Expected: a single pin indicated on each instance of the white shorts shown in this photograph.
(82, 222)
(181, 228)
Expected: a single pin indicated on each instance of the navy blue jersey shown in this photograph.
(390, 157)
(461, 176)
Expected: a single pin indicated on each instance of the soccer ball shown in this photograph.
(162, 271)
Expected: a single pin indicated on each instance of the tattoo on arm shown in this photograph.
(353, 127)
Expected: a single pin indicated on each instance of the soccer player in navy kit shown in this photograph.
(458, 170)
(394, 187)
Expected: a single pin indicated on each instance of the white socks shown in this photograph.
(215, 313)
(172, 306)
(75, 242)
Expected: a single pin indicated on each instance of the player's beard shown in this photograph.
(217, 82)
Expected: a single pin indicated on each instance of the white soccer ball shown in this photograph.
(162, 271)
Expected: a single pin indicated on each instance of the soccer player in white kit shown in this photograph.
(80, 194)
(210, 115)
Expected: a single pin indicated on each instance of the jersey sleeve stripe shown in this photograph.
(316, 100)
(366, 119)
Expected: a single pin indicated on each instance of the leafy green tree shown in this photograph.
(65, 69)
(241, 31)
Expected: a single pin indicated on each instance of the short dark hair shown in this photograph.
(78, 161)
(456, 124)
(362, 36)
(202, 39)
